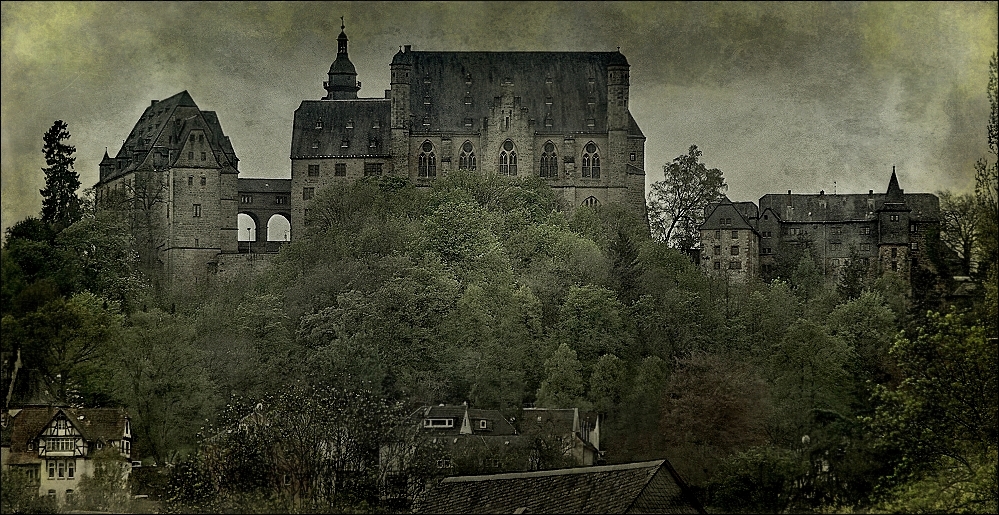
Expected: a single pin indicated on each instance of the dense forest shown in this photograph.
(809, 392)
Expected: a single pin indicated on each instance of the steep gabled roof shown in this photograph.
(646, 487)
(93, 423)
(368, 118)
(162, 131)
(497, 423)
(743, 216)
(577, 87)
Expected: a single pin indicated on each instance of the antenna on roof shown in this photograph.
(341, 23)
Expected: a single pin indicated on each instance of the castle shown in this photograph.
(887, 231)
(560, 116)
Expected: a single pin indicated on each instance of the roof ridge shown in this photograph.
(556, 472)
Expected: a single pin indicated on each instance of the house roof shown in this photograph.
(924, 207)
(743, 215)
(95, 424)
(244, 185)
(162, 131)
(370, 119)
(497, 424)
(558, 420)
(646, 487)
(577, 87)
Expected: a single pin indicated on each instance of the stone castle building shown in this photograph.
(560, 116)
(888, 231)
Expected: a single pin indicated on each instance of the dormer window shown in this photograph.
(426, 100)
(438, 423)
(350, 124)
(482, 424)
(315, 145)
(468, 79)
(319, 124)
(468, 99)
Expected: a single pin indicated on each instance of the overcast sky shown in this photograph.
(778, 96)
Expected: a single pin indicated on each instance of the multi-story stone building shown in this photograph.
(887, 230)
(560, 116)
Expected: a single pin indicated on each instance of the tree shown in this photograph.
(676, 204)
(563, 384)
(987, 179)
(959, 219)
(60, 205)
(106, 490)
(854, 277)
(20, 493)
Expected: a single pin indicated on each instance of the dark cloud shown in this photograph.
(779, 96)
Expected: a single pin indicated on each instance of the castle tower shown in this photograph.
(893, 230)
(401, 70)
(342, 83)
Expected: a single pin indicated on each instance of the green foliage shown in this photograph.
(757, 480)
(987, 181)
(60, 205)
(951, 486)
(20, 493)
(563, 383)
(607, 383)
(676, 204)
(106, 490)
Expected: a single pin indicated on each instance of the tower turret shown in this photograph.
(342, 83)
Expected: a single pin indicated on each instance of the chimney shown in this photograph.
(788, 192)
(822, 192)
(406, 48)
(388, 93)
(870, 192)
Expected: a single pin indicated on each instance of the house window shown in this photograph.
(894, 218)
(837, 230)
(190, 178)
(201, 138)
(426, 121)
(591, 161)
(632, 156)
(340, 169)
(350, 124)
(204, 156)
(735, 235)
(372, 169)
(865, 247)
(246, 199)
(313, 170)
(71, 469)
(591, 202)
(548, 120)
(52, 469)
(717, 265)
(204, 181)
(344, 142)
(768, 234)
(69, 496)
(717, 235)
(61, 469)
(307, 193)
(426, 100)
(912, 228)
(438, 422)
(373, 143)
(865, 231)
(444, 463)
(197, 210)
(319, 124)
(894, 266)
(735, 250)
(466, 158)
(468, 122)
(735, 265)
(427, 160)
(548, 100)
(717, 250)
(894, 252)
(914, 246)
(280, 199)
(52, 494)
(549, 161)
(482, 424)
(468, 99)
(835, 262)
(59, 444)
(508, 159)
(767, 250)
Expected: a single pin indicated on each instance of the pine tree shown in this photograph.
(60, 205)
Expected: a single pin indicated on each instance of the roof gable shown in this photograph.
(322, 127)
(646, 487)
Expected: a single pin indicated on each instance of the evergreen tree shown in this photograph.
(60, 205)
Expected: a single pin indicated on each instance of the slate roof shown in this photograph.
(743, 215)
(924, 207)
(98, 424)
(164, 127)
(496, 423)
(646, 487)
(245, 185)
(578, 87)
(370, 117)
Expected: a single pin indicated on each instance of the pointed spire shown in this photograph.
(895, 193)
(466, 424)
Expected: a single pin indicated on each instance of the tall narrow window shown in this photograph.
(549, 161)
(307, 193)
(591, 161)
(466, 158)
(197, 210)
(508, 159)
(427, 160)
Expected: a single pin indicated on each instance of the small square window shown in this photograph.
(319, 124)
(482, 424)
(372, 169)
(735, 250)
(717, 265)
(313, 170)
(315, 145)
(204, 156)
(204, 181)
(340, 169)
(307, 193)
(632, 156)
(735, 234)
(717, 250)
(190, 156)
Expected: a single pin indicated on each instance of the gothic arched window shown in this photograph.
(591, 161)
(508, 159)
(549, 161)
(428, 160)
(466, 158)
(591, 202)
